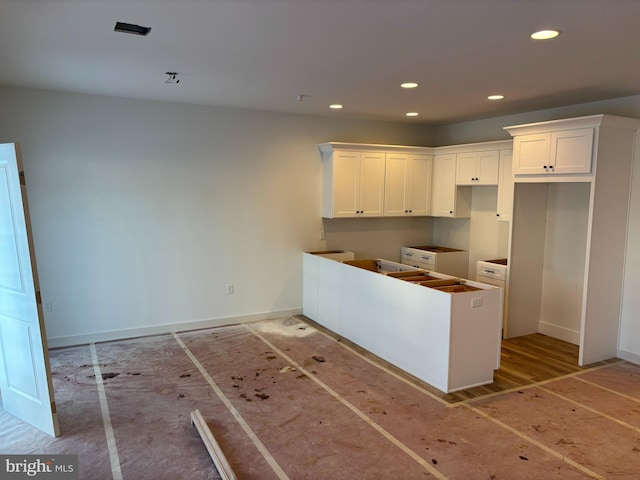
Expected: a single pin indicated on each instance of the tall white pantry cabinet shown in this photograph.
(572, 186)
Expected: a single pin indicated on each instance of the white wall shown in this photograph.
(143, 211)
(564, 260)
(377, 237)
(629, 339)
(482, 234)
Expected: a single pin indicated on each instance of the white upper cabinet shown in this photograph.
(357, 185)
(554, 152)
(407, 185)
(362, 180)
(447, 199)
(477, 168)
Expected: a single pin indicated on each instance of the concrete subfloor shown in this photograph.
(279, 413)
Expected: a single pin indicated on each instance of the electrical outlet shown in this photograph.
(229, 288)
(321, 234)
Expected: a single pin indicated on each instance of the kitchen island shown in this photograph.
(441, 329)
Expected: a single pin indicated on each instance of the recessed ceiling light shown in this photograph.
(409, 85)
(336, 106)
(545, 34)
(131, 28)
(495, 97)
(412, 114)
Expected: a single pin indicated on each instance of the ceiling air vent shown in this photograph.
(131, 28)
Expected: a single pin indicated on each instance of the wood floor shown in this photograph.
(524, 361)
(527, 360)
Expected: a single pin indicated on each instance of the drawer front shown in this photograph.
(416, 264)
(416, 255)
(491, 272)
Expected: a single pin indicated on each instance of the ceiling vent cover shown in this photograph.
(131, 28)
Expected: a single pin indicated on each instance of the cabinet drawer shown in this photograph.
(491, 272)
(419, 258)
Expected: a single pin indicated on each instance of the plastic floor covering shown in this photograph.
(284, 400)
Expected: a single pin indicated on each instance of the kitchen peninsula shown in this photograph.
(439, 328)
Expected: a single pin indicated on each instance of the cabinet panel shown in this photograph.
(407, 185)
(488, 167)
(466, 169)
(419, 191)
(571, 151)
(444, 185)
(477, 168)
(346, 172)
(448, 200)
(371, 184)
(505, 186)
(531, 153)
(396, 176)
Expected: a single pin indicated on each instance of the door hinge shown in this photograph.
(38, 298)
(23, 180)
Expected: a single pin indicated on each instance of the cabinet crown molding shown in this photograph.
(474, 147)
(575, 123)
(329, 147)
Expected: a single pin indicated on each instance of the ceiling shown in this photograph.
(264, 54)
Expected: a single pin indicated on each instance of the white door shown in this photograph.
(25, 376)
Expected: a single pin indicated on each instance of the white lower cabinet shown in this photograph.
(447, 336)
(450, 261)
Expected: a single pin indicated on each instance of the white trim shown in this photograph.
(108, 336)
(330, 147)
(629, 356)
(474, 147)
(573, 123)
(559, 332)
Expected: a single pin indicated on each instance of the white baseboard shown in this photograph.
(561, 333)
(57, 342)
(629, 356)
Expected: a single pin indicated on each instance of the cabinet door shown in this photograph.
(444, 185)
(371, 184)
(419, 185)
(505, 186)
(488, 166)
(397, 176)
(531, 153)
(571, 151)
(467, 169)
(346, 173)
